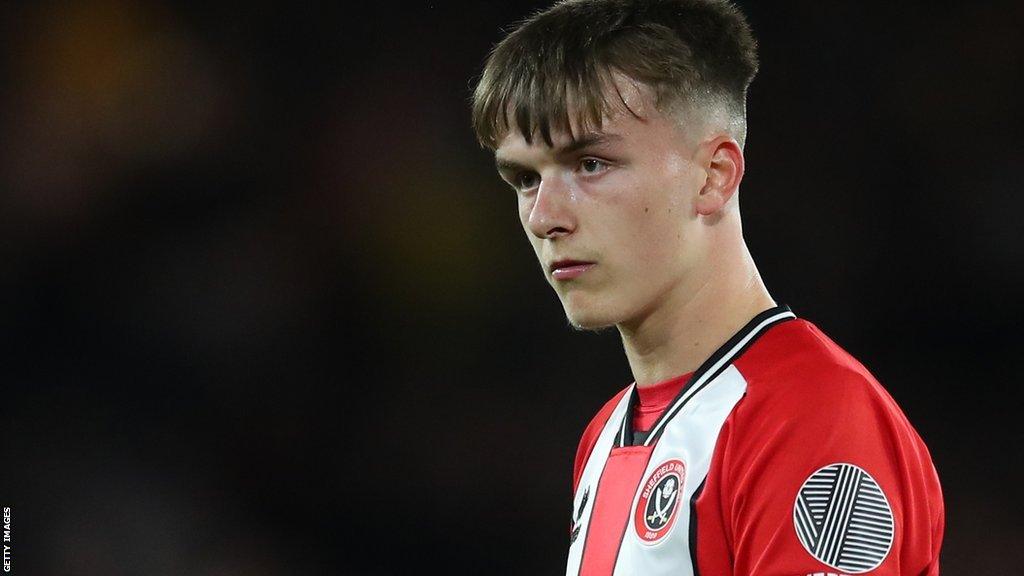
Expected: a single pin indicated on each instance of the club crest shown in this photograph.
(659, 500)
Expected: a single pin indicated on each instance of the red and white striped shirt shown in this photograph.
(780, 456)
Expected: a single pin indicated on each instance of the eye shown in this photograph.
(592, 166)
(525, 180)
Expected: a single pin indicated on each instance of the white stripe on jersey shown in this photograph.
(690, 436)
(725, 359)
(590, 477)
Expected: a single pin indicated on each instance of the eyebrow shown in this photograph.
(583, 142)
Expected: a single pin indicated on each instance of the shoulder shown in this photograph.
(812, 411)
(796, 371)
(810, 404)
(592, 432)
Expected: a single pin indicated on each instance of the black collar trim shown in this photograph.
(717, 363)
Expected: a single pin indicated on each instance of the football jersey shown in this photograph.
(781, 456)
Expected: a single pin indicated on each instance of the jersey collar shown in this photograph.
(721, 359)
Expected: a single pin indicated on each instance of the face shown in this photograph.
(617, 206)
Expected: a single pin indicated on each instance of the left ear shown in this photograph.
(722, 160)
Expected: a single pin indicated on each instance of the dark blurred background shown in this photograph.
(267, 309)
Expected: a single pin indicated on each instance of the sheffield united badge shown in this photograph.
(660, 496)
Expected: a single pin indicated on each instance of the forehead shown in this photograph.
(630, 109)
(618, 134)
(514, 144)
(574, 112)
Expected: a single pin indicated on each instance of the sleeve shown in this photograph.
(830, 478)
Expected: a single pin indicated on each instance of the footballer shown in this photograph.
(749, 443)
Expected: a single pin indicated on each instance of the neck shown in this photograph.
(695, 319)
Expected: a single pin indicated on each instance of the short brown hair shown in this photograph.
(686, 50)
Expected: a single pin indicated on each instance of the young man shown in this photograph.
(750, 444)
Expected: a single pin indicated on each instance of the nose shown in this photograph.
(552, 213)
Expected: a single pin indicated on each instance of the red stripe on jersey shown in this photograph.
(612, 506)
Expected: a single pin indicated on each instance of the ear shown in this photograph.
(722, 160)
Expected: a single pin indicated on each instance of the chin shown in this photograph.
(589, 317)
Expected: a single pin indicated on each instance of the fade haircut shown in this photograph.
(561, 61)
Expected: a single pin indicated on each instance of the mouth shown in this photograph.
(569, 269)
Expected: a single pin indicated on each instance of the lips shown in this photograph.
(568, 269)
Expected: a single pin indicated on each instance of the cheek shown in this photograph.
(657, 209)
(524, 210)
(657, 231)
(679, 179)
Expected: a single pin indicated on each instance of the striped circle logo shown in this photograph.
(843, 518)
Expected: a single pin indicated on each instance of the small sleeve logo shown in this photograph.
(575, 518)
(843, 518)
